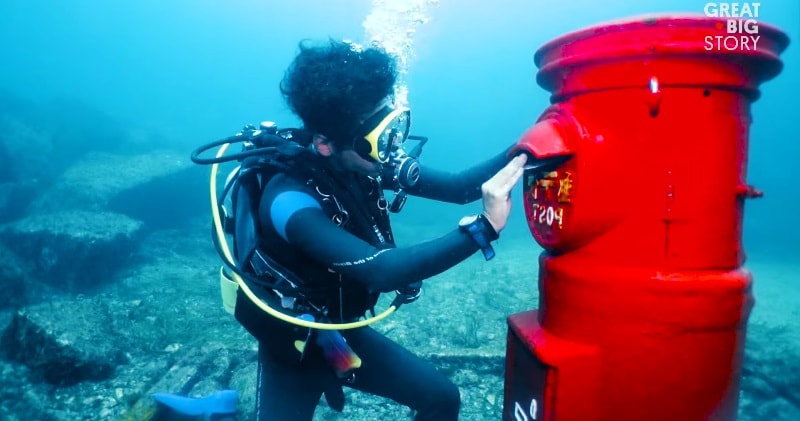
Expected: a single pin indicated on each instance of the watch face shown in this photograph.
(467, 220)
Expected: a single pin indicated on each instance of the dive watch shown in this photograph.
(481, 230)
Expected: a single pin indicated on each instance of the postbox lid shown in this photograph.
(647, 38)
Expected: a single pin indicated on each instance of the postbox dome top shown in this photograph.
(648, 38)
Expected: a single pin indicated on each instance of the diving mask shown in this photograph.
(385, 131)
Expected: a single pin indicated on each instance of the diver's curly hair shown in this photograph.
(331, 86)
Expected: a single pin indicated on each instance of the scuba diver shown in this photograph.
(319, 245)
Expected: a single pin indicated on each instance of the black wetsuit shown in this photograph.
(301, 236)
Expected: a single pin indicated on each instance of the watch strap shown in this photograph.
(483, 234)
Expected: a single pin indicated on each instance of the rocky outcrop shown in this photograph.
(73, 250)
(93, 181)
(61, 348)
(39, 141)
(77, 191)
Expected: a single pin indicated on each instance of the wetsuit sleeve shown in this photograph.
(462, 187)
(381, 270)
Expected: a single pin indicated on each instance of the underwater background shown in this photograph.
(101, 103)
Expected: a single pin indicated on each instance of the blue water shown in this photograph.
(197, 70)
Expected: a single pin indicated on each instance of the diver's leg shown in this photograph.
(389, 370)
(287, 391)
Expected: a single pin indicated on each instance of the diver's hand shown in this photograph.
(497, 192)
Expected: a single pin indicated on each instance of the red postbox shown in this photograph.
(643, 297)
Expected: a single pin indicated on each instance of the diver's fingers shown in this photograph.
(513, 180)
(512, 168)
(505, 179)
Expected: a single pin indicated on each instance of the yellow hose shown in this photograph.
(246, 289)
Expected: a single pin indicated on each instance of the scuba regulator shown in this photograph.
(403, 170)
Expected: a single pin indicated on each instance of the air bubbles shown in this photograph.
(392, 24)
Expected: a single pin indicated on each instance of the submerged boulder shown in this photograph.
(64, 342)
(94, 180)
(162, 189)
(73, 250)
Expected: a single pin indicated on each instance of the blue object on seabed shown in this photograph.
(217, 403)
